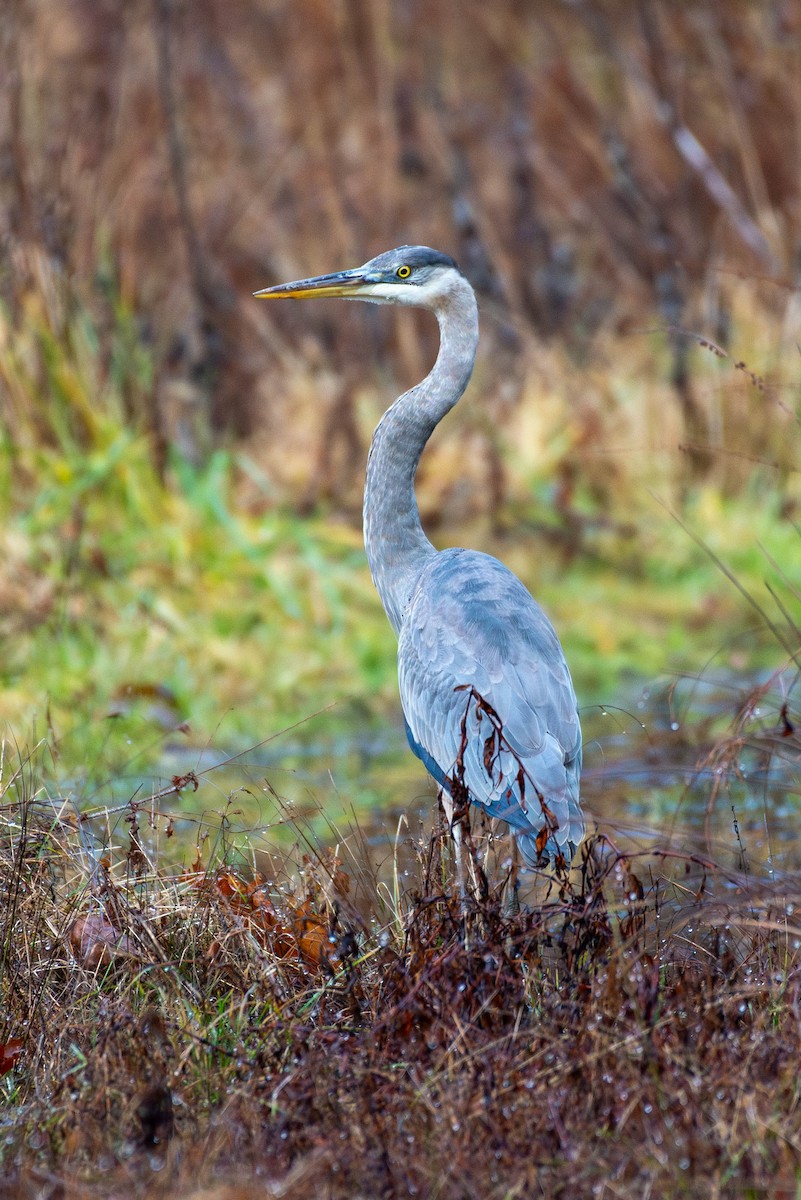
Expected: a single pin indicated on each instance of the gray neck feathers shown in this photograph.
(397, 548)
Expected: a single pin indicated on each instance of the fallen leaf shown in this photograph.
(95, 941)
(311, 933)
(9, 1053)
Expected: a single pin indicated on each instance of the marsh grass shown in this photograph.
(141, 605)
(319, 1019)
(199, 157)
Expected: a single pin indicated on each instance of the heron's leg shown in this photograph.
(457, 846)
(513, 886)
(456, 830)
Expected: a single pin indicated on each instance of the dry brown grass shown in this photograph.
(597, 169)
(632, 1031)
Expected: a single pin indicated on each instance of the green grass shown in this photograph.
(134, 602)
(165, 599)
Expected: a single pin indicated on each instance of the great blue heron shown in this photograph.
(486, 692)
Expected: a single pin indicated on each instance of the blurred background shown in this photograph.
(181, 467)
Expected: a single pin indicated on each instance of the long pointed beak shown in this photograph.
(341, 283)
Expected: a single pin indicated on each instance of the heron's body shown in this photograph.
(486, 692)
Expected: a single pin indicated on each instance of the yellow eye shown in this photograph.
(403, 272)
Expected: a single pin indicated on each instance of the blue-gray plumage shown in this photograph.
(485, 688)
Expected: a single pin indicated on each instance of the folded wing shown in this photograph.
(488, 698)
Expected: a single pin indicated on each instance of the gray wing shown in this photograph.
(473, 631)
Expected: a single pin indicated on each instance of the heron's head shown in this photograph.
(409, 275)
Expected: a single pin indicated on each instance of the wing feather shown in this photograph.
(474, 634)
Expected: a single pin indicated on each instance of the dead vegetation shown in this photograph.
(599, 170)
(631, 1030)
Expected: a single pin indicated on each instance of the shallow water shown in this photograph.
(709, 767)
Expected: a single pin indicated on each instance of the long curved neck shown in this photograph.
(397, 548)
